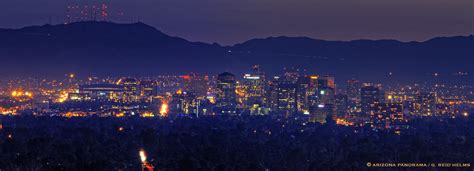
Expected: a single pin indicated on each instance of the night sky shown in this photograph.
(233, 21)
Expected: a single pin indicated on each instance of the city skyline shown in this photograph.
(300, 85)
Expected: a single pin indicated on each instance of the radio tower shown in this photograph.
(86, 10)
(103, 11)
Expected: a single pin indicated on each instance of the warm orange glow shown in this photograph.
(164, 109)
(8, 111)
(212, 99)
(179, 92)
(75, 114)
(14, 93)
(314, 77)
(62, 97)
(19, 93)
(240, 91)
(119, 115)
(341, 121)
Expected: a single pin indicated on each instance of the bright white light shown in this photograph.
(142, 155)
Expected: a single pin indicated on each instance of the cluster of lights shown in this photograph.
(19, 93)
(340, 121)
(148, 114)
(74, 114)
(62, 97)
(119, 115)
(8, 111)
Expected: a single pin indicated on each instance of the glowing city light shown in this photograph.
(145, 164)
(164, 109)
(14, 93)
(119, 115)
(62, 97)
(20, 94)
(142, 156)
(148, 115)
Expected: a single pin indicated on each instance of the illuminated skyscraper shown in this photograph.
(184, 103)
(319, 113)
(393, 112)
(255, 90)
(196, 84)
(325, 103)
(286, 98)
(327, 82)
(341, 104)
(302, 94)
(425, 104)
(369, 100)
(148, 89)
(132, 89)
(226, 99)
(353, 91)
(306, 93)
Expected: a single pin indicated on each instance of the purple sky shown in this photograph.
(233, 21)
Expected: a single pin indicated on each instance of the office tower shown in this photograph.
(148, 90)
(369, 96)
(341, 104)
(324, 105)
(286, 98)
(100, 92)
(272, 94)
(226, 99)
(327, 82)
(131, 89)
(353, 91)
(184, 103)
(327, 90)
(307, 87)
(196, 84)
(302, 94)
(255, 96)
(425, 104)
(394, 111)
(320, 113)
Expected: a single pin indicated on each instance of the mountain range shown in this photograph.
(111, 49)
